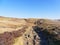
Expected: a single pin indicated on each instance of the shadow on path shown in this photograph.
(43, 36)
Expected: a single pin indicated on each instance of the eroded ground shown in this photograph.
(14, 31)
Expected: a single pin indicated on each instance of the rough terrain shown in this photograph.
(32, 31)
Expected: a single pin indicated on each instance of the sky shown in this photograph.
(30, 8)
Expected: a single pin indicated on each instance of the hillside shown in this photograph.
(17, 31)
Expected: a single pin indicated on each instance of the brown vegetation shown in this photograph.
(7, 38)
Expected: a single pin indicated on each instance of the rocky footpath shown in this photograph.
(14, 31)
